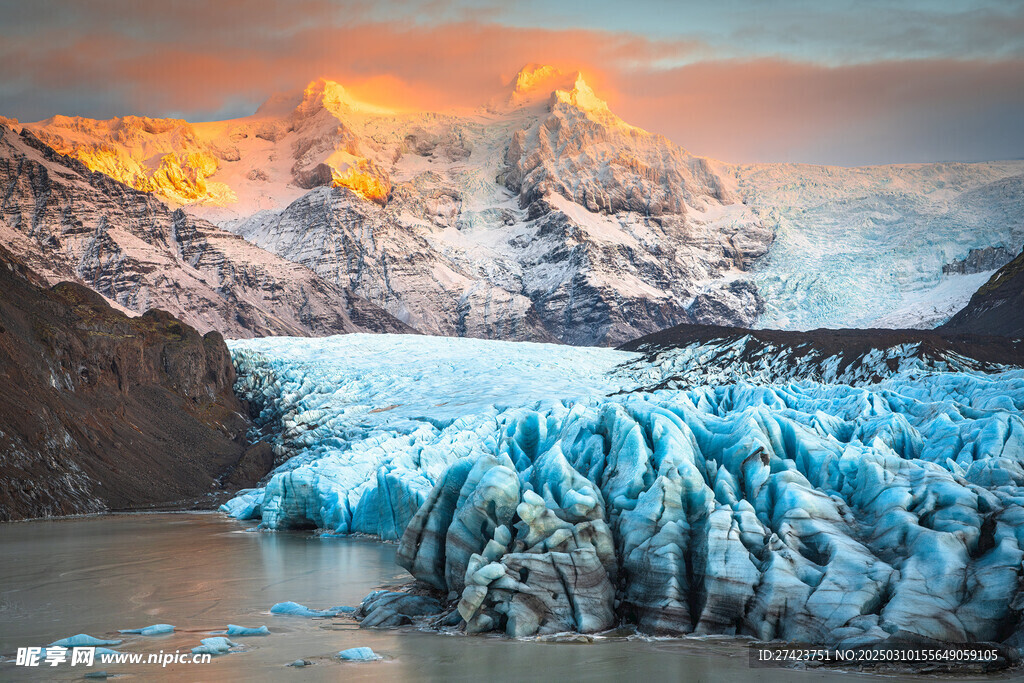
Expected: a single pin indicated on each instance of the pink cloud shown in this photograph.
(734, 110)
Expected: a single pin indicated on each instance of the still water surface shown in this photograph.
(201, 572)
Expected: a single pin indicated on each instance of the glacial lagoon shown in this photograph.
(200, 572)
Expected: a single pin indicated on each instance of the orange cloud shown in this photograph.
(734, 110)
(452, 64)
(770, 110)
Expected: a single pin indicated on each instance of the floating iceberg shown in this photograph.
(83, 640)
(234, 630)
(154, 630)
(801, 511)
(295, 609)
(214, 646)
(359, 654)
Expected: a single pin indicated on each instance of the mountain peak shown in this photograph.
(581, 96)
(536, 82)
(335, 98)
(532, 76)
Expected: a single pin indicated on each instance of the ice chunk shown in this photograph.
(154, 630)
(359, 654)
(83, 640)
(234, 630)
(245, 505)
(298, 610)
(298, 663)
(217, 645)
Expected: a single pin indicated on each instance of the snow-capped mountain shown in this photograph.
(543, 215)
(69, 223)
(540, 217)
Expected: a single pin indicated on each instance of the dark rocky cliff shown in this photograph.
(103, 411)
(997, 307)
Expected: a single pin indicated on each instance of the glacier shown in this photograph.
(867, 247)
(537, 490)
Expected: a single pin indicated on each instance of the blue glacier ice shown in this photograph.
(154, 630)
(234, 630)
(217, 645)
(295, 609)
(359, 654)
(247, 504)
(83, 640)
(335, 404)
(843, 513)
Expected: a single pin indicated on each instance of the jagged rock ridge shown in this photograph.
(70, 223)
(979, 261)
(545, 216)
(694, 355)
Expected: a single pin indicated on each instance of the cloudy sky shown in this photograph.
(821, 81)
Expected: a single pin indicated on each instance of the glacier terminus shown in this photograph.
(535, 489)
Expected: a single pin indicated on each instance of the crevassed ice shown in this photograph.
(824, 513)
(343, 396)
(367, 381)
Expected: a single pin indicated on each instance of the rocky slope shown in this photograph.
(694, 355)
(997, 307)
(69, 223)
(103, 411)
(544, 216)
